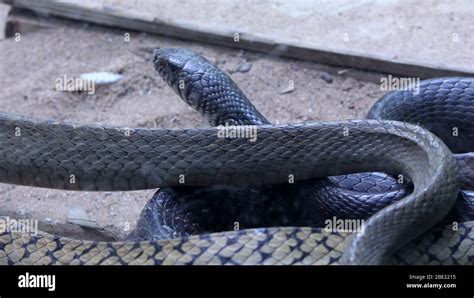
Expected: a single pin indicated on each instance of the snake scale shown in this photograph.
(46, 153)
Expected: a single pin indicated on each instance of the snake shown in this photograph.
(71, 156)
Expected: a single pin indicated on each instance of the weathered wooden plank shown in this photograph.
(4, 10)
(242, 40)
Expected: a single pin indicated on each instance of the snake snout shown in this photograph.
(172, 60)
(167, 65)
(172, 66)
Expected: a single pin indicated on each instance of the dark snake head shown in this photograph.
(205, 87)
(182, 69)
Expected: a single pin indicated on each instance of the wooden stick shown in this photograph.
(242, 40)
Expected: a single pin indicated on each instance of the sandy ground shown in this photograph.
(423, 31)
(30, 67)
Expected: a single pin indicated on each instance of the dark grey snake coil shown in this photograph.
(100, 158)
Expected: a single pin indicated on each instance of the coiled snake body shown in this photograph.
(47, 153)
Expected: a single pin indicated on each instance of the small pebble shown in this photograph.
(220, 61)
(244, 67)
(347, 88)
(288, 89)
(327, 78)
(343, 71)
(79, 216)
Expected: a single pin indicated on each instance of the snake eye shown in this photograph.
(173, 68)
